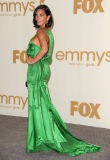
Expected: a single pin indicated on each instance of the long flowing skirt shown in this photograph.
(46, 130)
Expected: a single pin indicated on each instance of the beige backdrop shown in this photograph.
(80, 71)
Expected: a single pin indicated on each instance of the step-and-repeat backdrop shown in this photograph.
(80, 71)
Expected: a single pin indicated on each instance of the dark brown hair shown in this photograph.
(47, 12)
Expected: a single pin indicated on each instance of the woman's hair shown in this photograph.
(47, 12)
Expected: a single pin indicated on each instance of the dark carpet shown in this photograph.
(13, 136)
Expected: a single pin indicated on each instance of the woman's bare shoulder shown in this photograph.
(41, 32)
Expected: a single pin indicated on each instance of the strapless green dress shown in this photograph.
(46, 130)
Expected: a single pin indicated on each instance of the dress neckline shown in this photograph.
(34, 44)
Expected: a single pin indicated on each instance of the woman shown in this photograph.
(46, 130)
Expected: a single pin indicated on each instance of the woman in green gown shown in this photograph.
(46, 130)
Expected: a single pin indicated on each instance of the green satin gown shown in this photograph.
(45, 129)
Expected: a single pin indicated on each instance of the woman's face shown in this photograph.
(41, 18)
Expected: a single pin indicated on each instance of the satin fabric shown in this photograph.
(45, 129)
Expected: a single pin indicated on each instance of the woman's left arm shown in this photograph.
(42, 37)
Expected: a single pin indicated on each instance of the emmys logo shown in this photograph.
(19, 56)
(80, 57)
(13, 100)
(85, 109)
(88, 6)
(17, 8)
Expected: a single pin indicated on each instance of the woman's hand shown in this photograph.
(30, 60)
